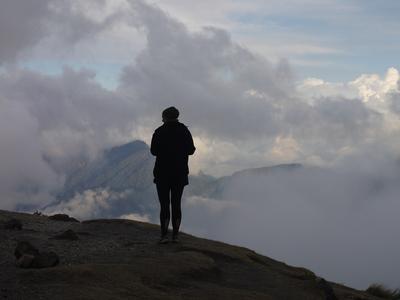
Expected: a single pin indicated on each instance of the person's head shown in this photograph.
(170, 114)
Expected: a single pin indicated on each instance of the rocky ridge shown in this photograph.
(120, 259)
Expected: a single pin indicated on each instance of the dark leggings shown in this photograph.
(170, 193)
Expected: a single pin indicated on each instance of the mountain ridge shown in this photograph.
(120, 259)
(128, 168)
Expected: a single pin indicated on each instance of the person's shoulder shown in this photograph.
(160, 128)
(182, 125)
(184, 130)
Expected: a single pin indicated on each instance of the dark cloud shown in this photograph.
(21, 26)
(24, 24)
(207, 75)
(74, 22)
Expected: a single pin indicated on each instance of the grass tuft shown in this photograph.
(381, 291)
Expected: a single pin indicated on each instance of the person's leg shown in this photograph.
(163, 192)
(176, 195)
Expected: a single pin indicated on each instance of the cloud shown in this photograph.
(339, 222)
(74, 115)
(136, 217)
(213, 206)
(59, 24)
(24, 174)
(303, 31)
(21, 26)
(241, 95)
(47, 123)
(88, 204)
(244, 110)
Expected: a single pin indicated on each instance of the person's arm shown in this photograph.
(154, 148)
(190, 145)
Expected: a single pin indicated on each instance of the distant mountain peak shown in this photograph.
(125, 150)
(128, 166)
(269, 169)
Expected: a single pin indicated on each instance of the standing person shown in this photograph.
(172, 144)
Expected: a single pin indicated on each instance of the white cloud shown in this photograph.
(338, 222)
(374, 91)
(211, 205)
(87, 205)
(24, 175)
(378, 94)
(136, 217)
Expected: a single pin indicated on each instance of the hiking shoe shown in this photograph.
(163, 240)
(175, 239)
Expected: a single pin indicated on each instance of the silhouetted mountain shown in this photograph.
(267, 170)
(120, 259)
(128, 168)
(210, 187)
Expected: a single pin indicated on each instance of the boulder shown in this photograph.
(326, 287)
(25, 247)
(13, 224)
(67, 235)
(45, 260)
(25, 261)
(30, 257)
(62, 217)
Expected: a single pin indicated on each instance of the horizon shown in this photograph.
(258, 83)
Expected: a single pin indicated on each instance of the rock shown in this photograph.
(13, 224)
(30, 257)
(45, 260)
(25, 261)
(25, 247)
(4, 293)
(328, 290)
(67, 235)
(63, 217)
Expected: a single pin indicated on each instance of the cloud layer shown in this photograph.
(342, 223)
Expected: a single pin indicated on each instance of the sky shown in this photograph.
(306, 81)
(334, 40)
(257, 82)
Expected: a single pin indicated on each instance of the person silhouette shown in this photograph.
(171, 144)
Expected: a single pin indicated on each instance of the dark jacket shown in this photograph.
(172, 143)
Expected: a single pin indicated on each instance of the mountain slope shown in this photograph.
(125, 172)
(120, 259)
(128, 166)
(208, 186)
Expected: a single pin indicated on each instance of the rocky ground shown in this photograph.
(121, 259)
